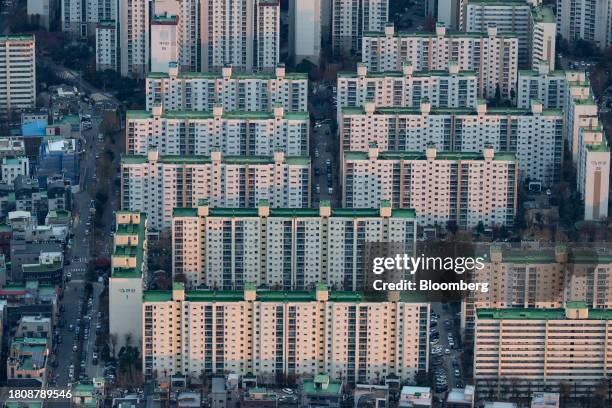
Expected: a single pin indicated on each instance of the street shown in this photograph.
(74, 302)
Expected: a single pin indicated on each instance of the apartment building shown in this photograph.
(79, 18)
(241, 33)
(164, 42)
(589, 20)
(191, 133)
(540, 277)
(305, 33)
(134, 24)
(13, 167)
(233, 90)
(543, 36)
(267, 34)
(106, 46)
(517, 350)
(128, 276)
(583, 134)
(494, 57)
(543, 84)
(353, 19)
(534, 135)
(277, 334)
(509, 16)
(293, 249)
(156, 184)
(588, 145)
(407, 88)
(18, 77)
(442, 187)
(534, 25)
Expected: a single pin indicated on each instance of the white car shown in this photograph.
(287, 390)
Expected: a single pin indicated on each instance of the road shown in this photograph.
(322, 141)
(446, 314)
(79, 254)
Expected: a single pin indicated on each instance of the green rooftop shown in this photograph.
(539, 314)
(236, 160)
(294, 212)
(276, 296)
(440, 155)
(42, 268)
(312, 387)
(543, 14)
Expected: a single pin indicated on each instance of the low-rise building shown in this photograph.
(545, 400)
(12, 167)
(461, 397)
(26, 365)
(321, 391)
(415, 397)
(375, 396)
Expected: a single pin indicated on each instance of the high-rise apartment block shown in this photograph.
(134, 31)
(543, 32)
(278, 334)
(534, 135)
(106, 46)
(442, 187)
(156, 184)
(583, 134)
(408, 88)
(545, 277)
(292, 249)
(492, 56)
(241, 33)
(18, 73)
(517, 350)
(164, 42)
(232, 90)
(79, 18)
(589, 20)
(195, 133)
(534, 25)
(353, 19)
(305, 33)
(128, 276)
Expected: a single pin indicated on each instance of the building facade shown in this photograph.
(128, 276)
(18, 57)
(191, 133)
(164, 42)
(534, 135)
(232, 90)
(134, 31)
(106, 46)
(408, 88)
(532, 348)
(543, 277)
(351, 19)
(241, 33)
(276, 335)
(305, 33)
(590, 20)
(461, 188)
(157, 184)
(292, 249)
(494, 57)
(543, 32)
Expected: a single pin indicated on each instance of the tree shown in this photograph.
(110, 123)
(112, 338)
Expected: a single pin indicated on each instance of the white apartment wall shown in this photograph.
(305, 30)
(164, 46)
